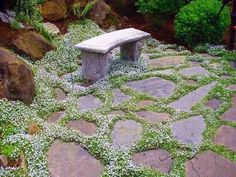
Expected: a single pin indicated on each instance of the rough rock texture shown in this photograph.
(153, 117)
(88, 103)
(213, 103)
(126, 133)
(157, 159)
(74, 159)
(198, 70)
(226, 136)
(188, 101)
(167, 61)
(154, 86)
(16, 78)
(189, 130)
(100, 12)
(119, 97)
(33, 45)
(54, 10)
(231, 113)
(83, 126)
(54, 117)
(210, 164)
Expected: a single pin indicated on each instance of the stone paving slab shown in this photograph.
(213, 104)
(166, 61)
(226, 136)
(230, 115)
(88, 103)
(153, 86)
(232, 87)
(157, 159)
(119, 97)
(189, 100)
(210, 164)
(144, 103)
(189, 130)
(117, 113)
(126, 133)
(71, 160)
(60, 94)
(55, 117)
(153, 117)
(197, 70)
(85, 127)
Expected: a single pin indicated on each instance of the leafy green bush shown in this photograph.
(160, 6)
(197, 23)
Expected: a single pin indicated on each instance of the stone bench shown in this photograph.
(95, 52)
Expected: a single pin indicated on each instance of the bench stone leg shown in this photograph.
(94, 65)
(131, 51)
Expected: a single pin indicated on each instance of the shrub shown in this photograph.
(197, 23)
(160, 6)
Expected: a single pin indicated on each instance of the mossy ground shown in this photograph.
(15, 117)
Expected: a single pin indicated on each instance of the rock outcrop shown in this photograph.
(16, 78)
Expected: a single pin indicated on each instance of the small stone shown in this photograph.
(144, 103)
(88, 103)
(119, 97)
(117, 113)
(126, 133)
(70, 159)
(226, 136)
(158, 159)
(60, 94)
(51, 28)
(167, 61)
(189, 130)
(233, 64)
(188, 101)
(83, 126)
(153, 86)
(198, 70)
(210, 164)
(33, 128)
(230, 115)
(232, 87)
(55, 117)
(213, 104)
(153, 117)
(3, 161)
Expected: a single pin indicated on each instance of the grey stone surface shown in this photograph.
(60, 94)
(153, 86)
(167, 61)
(198, 70)
(153, 117)
(144, 103)
(117, 113)
(94, 65)
(54, 117)
(104, 43)
(130, 51)
(232, 87)
(226, 136)
(189, 130)
(85, 127)
(188, 101)
(119, 97)
(230, 115)
(213, 103)
(157, 159)
(88, 103)
(126, 133)
(71, 160)
(210, 164)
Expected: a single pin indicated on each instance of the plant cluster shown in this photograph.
(82, 12)
(198, 23)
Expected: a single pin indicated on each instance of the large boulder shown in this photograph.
(16, 78)
(54, 10)
(103, 15)
(33, 45)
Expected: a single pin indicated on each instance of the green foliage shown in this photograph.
(197, 23)
(82, 13)
(160, 6)
(15, 24)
